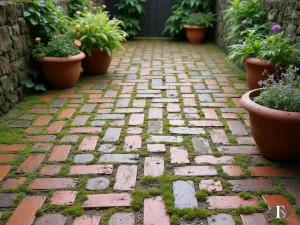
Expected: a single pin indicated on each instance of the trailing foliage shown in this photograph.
(35, 81)
(128, 12)
(46, 18)
(96, 30)
(244, 16)
(58, 46)
(275, 48)
(180, 12)
(77, 6)
(201, 19)
(281, 95)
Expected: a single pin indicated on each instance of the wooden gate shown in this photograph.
(156, 12)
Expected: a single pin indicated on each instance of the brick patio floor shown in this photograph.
(141, 145)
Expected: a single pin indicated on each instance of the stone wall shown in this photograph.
(15, 48)
(283, 12)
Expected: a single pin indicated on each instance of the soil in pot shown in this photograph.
(275, 132)
(62, 72)
(257, 70)
(97, 63)
(195, 34)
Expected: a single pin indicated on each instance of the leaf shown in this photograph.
(33, 21)
(29, 84)
(39, 87)
(26, 14)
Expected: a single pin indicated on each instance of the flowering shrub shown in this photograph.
(58, 46)
(201, 19)
(281, 95)
(275, 48)
(96, 30)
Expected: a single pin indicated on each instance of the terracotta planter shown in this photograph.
(98, 63)
(254, 70)
(195, 34)
(275, 132)
(62, 72)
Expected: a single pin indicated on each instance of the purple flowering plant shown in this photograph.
(282, 93)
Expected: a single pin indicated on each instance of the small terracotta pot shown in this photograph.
(275, 132)
(257, 70)
(98, 63)
(195, 34)
(62, 72)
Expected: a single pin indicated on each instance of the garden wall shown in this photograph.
(283, 12)
(15, 49)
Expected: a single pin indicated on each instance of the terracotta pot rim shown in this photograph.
(260, 110)
(194, 27)
(260, 62)
(77, 57)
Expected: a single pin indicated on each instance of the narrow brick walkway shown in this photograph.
(161, 139)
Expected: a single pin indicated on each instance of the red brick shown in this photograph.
(209, 159)
(87, 220)
(274, 200)
(189, 102)
(103, 111)
(41, 138)
(251, 185)
(70, 96)
(26, 210)
(13, 183)
(42, 111)
(4, 169)
(136, 119)
(102, 100)
(210, 185)
(179, 155)
(232, 170)
(50, 170)
(229, 115)
(31, 163)
(107, 200)
(153, 166)
(254, 219)
(85, 130)
(33, 130)
(239, 149)
(270, 171)
(210, 114)
(205, 123)
(42, 146)
(66, 113)
(52, 183)
(91, 169)
(42, 121)
(11, 148)
(293, 186)
(126, 178)
(47, 97)
(219, 136)
(237, 128)
(88, 143)
(245, 141)
(139, 103)
(63, 198)
(132, 143)
(47, 219)
(230, 202)
(55, 127)
(60, 153)
(80, 120)
(155, 212)
(7, 158)
(156, 148)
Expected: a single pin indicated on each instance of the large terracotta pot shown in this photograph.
(275, 132)
(62, 72)
(195, 34)
(98, 63)
(257, 70)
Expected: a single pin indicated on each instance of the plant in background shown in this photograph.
(98, 31)
(35, 81)
(46, 18)
(244, 16)
(128, 12)
(58, 46)
(201, 19)
(76, 6)
(283, 94)
(274, 48)
(174, 26)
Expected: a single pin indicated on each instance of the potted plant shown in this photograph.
(100, 37)
(60, 59)
(263, 55)
(196, 25)
(275, 116)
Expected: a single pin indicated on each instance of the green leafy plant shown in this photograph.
(283, 94)
(174, 26)
(128, 12)
(76, 6)
(46, 18)
(35, 81)
(96, 30)
(58, 46)
(275, 48)
(201, 19)
(244, 16)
